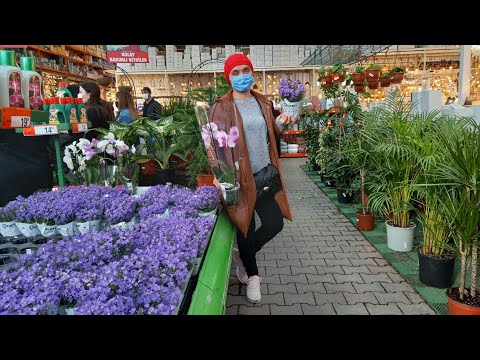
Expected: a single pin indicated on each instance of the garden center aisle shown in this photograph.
(321, 264)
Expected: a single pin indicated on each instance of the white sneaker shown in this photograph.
(240, 270)
(253, 289)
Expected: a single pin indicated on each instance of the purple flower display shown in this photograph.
(206, 198)
(142, 270)
(120, 209)
(291, 90)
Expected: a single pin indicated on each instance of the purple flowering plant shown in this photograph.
(291, 90)
(120, 209)
(206, 198)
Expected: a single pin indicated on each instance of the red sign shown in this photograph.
(135, 54)
(12, 46)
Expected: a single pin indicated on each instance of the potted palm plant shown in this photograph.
(391, 136)
(436, 257)
(460, 207)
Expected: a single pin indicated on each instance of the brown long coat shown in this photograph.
(222, 113)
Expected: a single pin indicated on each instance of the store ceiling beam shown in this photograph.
(345, 54)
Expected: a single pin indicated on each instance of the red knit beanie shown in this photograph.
(235, 60)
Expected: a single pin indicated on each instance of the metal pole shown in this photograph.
(464, 73)
(61, 180)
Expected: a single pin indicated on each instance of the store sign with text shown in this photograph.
(134, 54)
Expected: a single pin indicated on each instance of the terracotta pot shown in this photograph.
(396, 78)
(384, 82)
(359, 87)
(337, 78)
(148, 168)
(327, 80)
(372, 85)
(365, 222)
(372, 75)
(205, 180)
(358, 78)
(457, 308)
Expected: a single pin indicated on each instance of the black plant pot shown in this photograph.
(20, 241)
(322, 178)
(329, 181)
(343, 197)
(315, 167)
(435, 272)
(161, 177)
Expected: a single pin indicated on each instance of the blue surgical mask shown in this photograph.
(242, 83)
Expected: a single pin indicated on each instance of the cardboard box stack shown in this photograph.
(170, 59)
(196, 55)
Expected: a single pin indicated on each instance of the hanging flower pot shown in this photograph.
(384, 81)
(358, 78)
(359, 87)
(436, 271)
(205, 180)
(396, 78)
(465, 307)
(372, 85)
(365, 222)
(372, 74)
(327, 80)
(337, 78)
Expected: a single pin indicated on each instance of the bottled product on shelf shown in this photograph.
(10, 81)
(31, 84)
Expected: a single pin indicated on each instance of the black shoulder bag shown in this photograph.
(267, 180)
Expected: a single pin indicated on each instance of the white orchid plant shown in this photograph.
(89, 160)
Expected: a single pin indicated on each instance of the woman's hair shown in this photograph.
(74, 90)
(125, 100)
(104, 109)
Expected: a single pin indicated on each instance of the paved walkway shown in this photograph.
(321, 264)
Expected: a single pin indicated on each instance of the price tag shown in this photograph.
(15, 117)
(20, 121)
(39, 130)
(29, 251)
(79, 127)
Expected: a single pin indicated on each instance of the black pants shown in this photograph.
(272, 223)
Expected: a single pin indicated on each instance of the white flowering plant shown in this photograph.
(97, 162)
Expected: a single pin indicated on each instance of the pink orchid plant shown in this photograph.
(210, 132)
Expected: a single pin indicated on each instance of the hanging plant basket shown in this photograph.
(327, 80)
(372, 74)
(337, 78)
(384, 82)
(372, 85)
(358, 78)
(396, 78)
(359, 87)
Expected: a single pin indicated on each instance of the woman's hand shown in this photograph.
(286, 119)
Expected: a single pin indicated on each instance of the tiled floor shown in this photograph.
(321, 264)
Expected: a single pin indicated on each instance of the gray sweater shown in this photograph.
(255, 132)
